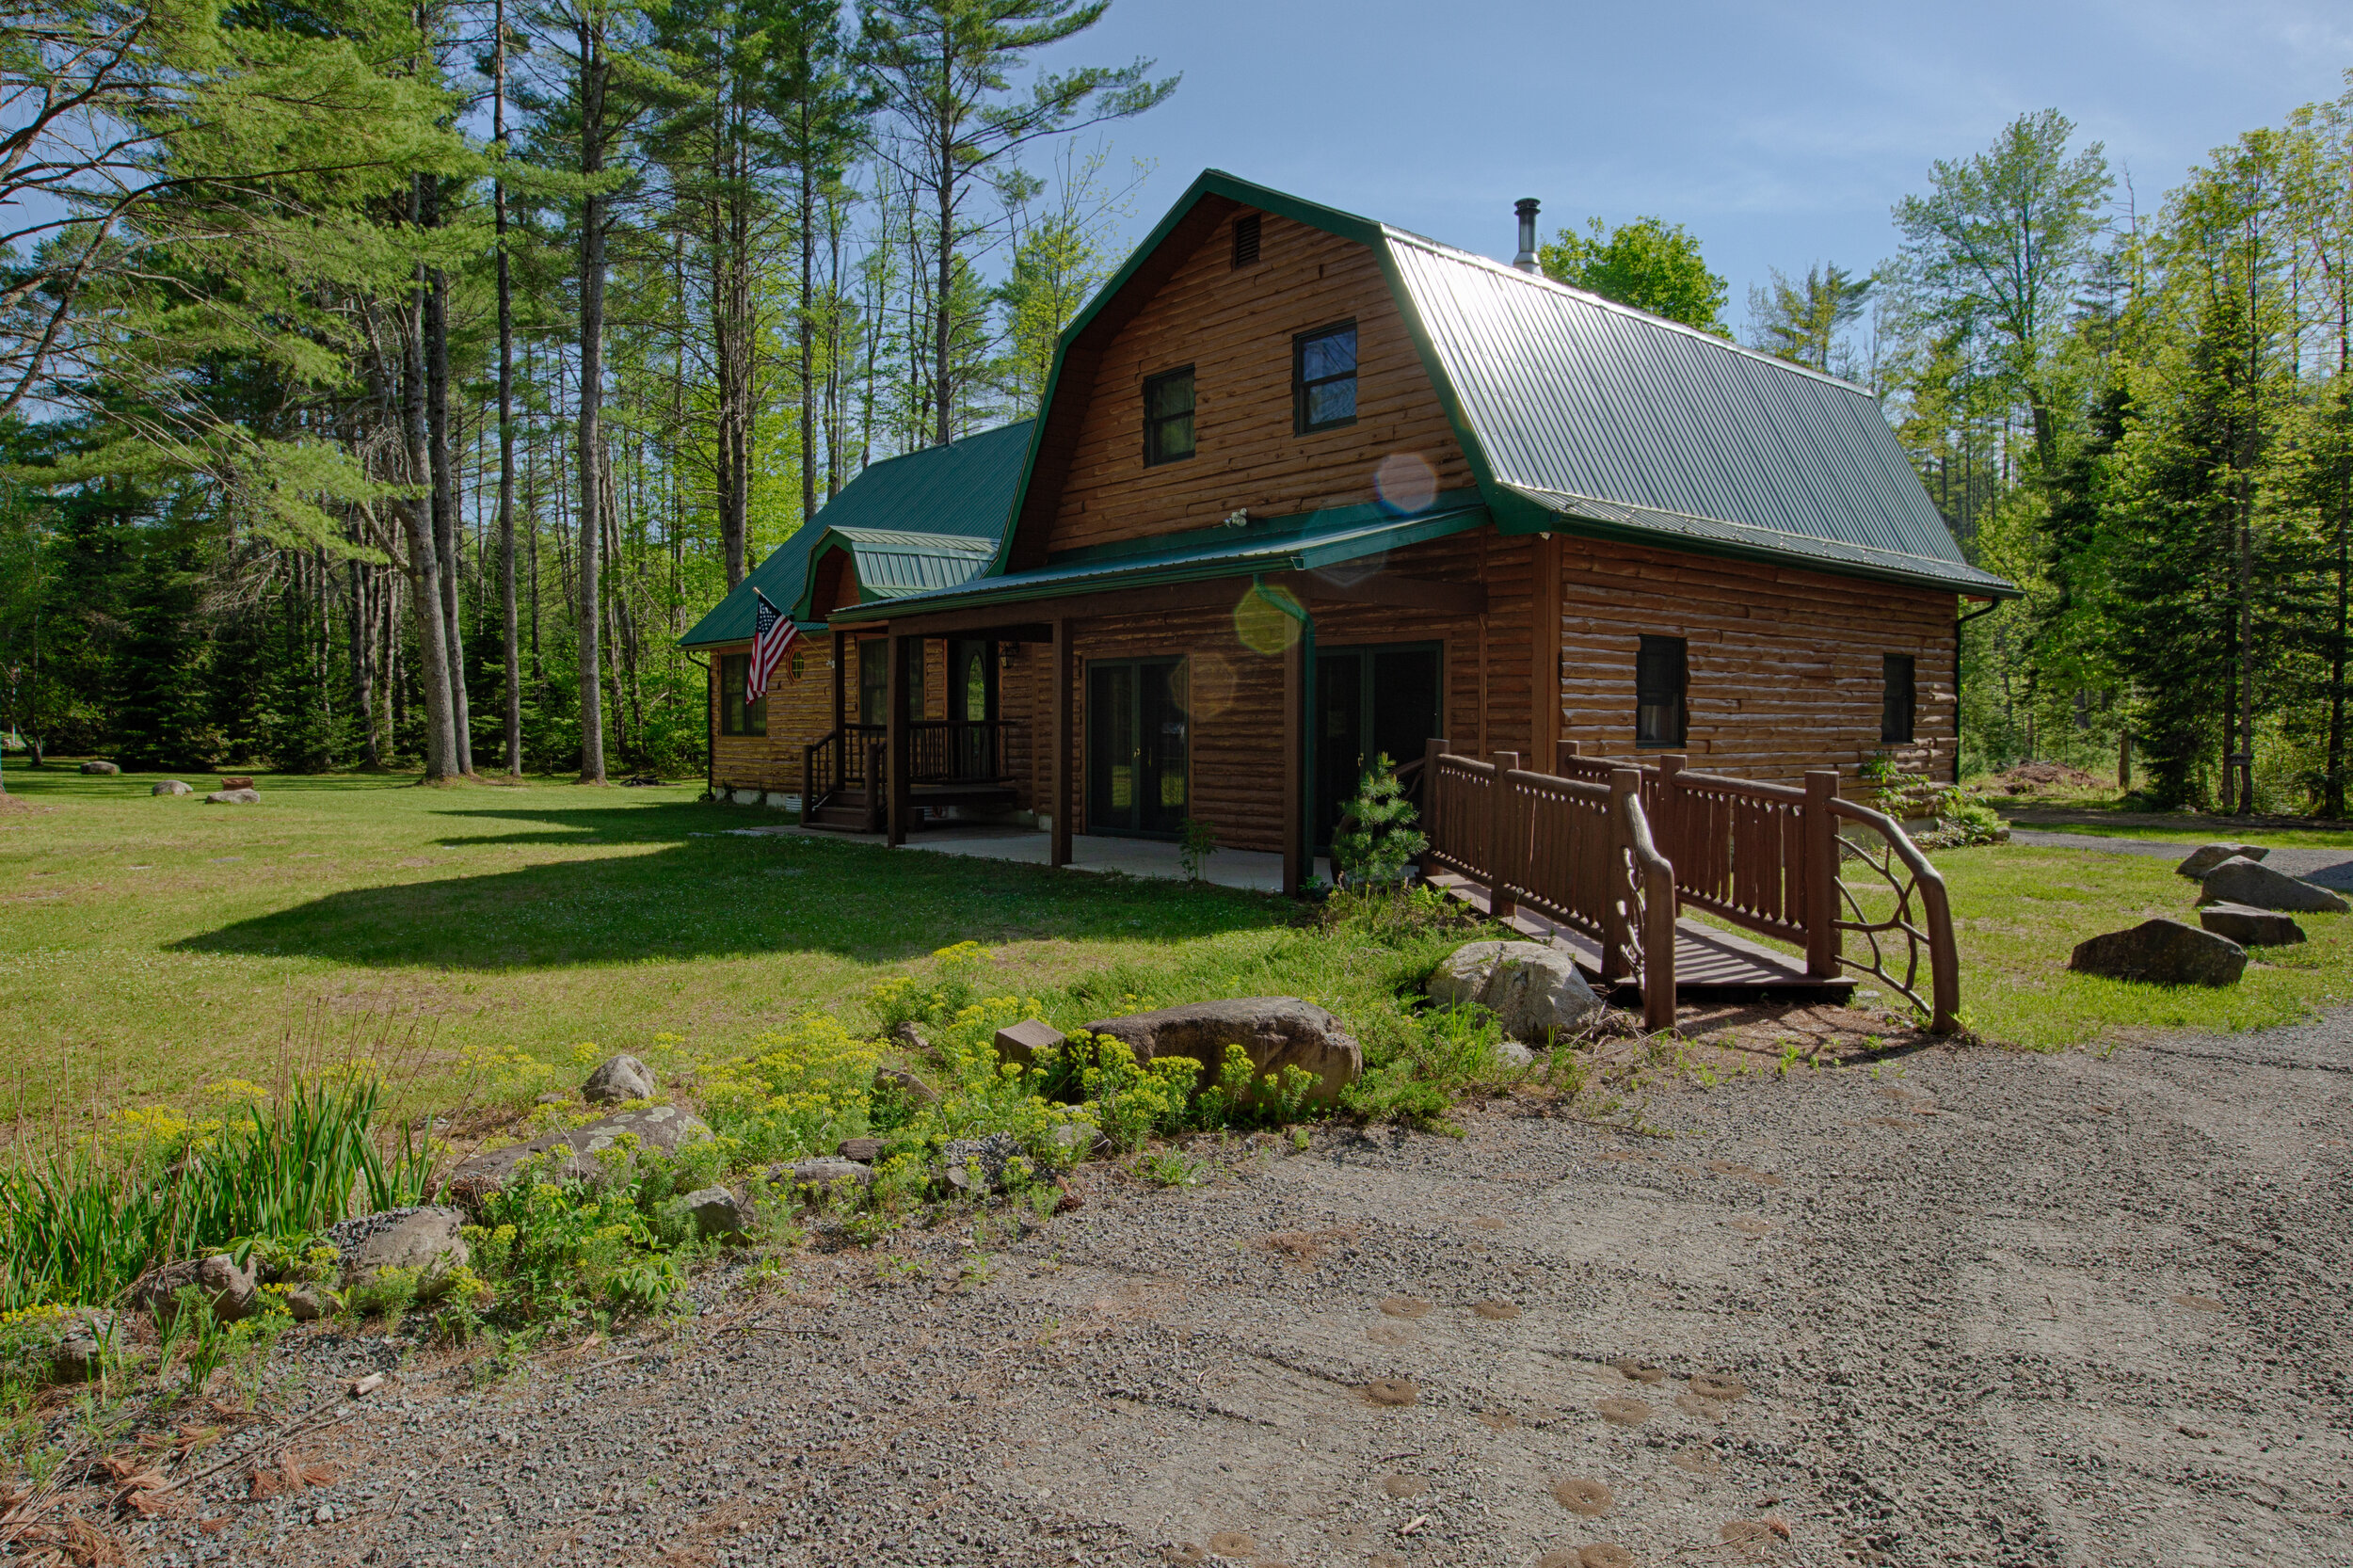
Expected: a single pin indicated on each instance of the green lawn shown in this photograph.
(151, 946)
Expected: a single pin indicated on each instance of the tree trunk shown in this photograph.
(807, 217)
(512, 622)
(424, 565)
(590, 440)
(444, 480)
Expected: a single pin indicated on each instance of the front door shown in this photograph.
(1370, 702)
(1137, 754)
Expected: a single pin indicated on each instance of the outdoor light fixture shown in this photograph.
(1237, 518)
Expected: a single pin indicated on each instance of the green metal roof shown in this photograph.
(926, 519)
(1309, 541)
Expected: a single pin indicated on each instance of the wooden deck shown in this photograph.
(1709, 962)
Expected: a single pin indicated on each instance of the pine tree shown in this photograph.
(1379, 835)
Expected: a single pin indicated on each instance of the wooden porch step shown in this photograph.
(1709, 961)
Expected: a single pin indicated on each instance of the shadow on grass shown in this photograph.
(712, 898)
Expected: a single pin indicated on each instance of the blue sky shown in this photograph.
(1780, 134)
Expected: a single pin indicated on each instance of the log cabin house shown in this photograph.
(1307, 488)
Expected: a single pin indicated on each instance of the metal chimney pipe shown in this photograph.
(1525, 260)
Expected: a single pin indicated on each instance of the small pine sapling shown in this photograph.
(1380, 833)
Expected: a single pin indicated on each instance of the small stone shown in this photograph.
(100, 769)
(2244, 880)
(367, 1385)
(821, 1174)
(308, 1303)
(2251, 927)
(909, 1035)
(898, 1080)
(1513, 1057)
(865, 1151)
(2205, 857)
(719, 1214)
(617, 1078)
(1023, 1042)
(231, 1290)
(171, 786)
(233, 797)
(2162, 952)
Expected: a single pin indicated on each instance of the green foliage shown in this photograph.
(553, 1250)
(1378, 837)
(1649, 263)
(1800, 320)
(1198, 842)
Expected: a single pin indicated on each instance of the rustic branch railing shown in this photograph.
(1920, 912)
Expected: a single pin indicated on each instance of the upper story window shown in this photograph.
(1168, 416)
(736, 716)
(1662, 715)
(1896, 697)
(1323, 378)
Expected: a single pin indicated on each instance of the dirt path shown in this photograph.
(1988, 1308)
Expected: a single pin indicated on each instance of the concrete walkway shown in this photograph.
(1251, 870)
(2327, 868)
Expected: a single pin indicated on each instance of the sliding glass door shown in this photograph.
(1137, 754)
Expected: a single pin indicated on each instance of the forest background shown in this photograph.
(388, 386)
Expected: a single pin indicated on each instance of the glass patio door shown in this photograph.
(1137, 747)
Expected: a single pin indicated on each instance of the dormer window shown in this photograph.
(1323, 378)
(1168, 416)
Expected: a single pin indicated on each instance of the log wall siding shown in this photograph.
(796, 717)
(1235, 328)
(1785, 664)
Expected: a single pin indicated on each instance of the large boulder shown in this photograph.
(2205, 857)
(1277, 1032)
(1534, 988)
(424, 1238)
(171, 786)
(231, 1290)
(617, 1078)
(662, 1128)
(2251, 927)
(233, 797)
(2243, 881)
(2162, 952)
(100, 769)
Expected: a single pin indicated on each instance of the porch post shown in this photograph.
(1295, 864)
(1543, 693)
(1432, 749)
(1059, 734)
(895, 752)
(1821, 873)
(1501, 838)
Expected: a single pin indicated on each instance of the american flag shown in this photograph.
(773, 633)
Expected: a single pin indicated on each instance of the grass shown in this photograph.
(152, 947)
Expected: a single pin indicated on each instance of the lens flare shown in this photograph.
(1262, 624)
(1406, 483)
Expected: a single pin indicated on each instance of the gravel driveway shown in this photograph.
(1984, 1309)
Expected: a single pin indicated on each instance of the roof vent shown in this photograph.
(1246, 241)
(1525, 260)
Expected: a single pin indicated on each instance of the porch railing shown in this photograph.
(853, 758)
(1799, 865)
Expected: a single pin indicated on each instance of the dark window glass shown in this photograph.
(1897, 699)
(736, 716)
(1246, 241)
(1659, 685)
(874, 681)
(1323, 377)
(1168, 416)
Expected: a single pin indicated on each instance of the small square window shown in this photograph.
(1246, 241)
(1896, 697)
(1660, 677)
(1323, 378)
(1168, 416)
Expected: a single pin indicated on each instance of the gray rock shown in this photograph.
(1534, 988)
(1077, 1136)
(2162, 952)
(171, 786)
(2249, 927)
(1277, 1032)
(719, 1214)
(233, 797)
(424, 1238)
(73, 1347)
(823, 1171)
(618, 1077)
(1512, 1056)
(2243, 881)
(978, 1164)
(231, 1290)
(1021, 1044)
(2205, 857)
(308, 1303)
(914, 1089)
(100, 769)
(864, 1150)
(909, 1035)
(574, 1155)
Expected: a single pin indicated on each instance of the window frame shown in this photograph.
(1682, 704)
(1909, 727)
(1301, 386)
(736, 716)
(1152, 423)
